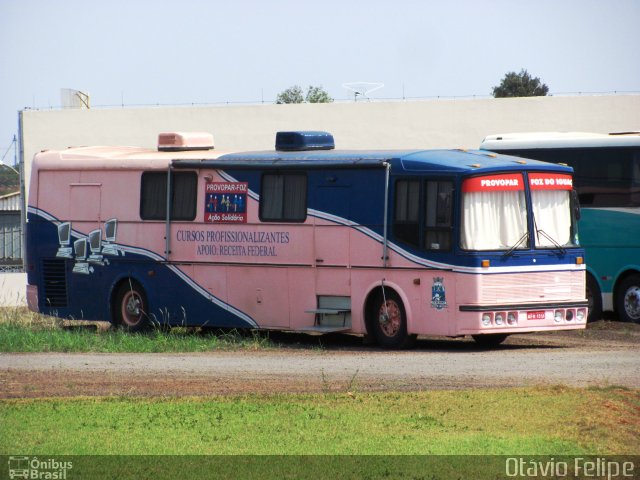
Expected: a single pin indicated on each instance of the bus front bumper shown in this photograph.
(487, 319)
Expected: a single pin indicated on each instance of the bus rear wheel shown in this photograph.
(389, 321)
(131, 307)
(628, 299)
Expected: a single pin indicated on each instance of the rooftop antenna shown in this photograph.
(362, 89)
(74, 98)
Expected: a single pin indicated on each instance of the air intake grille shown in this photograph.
(55, 283)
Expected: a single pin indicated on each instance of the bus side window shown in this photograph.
(153, 195)
(438, 215)
(406, 219)
(635, 179)
(635, 169)
(283, 197)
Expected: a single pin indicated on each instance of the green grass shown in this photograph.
(526, 421)
(24, 331)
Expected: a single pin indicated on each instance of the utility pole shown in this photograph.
(19, 157)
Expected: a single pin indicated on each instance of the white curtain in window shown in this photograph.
(493, 220)
(552, 212)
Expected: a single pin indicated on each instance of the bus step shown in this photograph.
(329, 311)
(332, 317)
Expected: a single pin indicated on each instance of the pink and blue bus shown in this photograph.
(385, 244)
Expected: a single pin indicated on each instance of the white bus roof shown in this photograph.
(105, 157)
(171, 146)
(533, 140)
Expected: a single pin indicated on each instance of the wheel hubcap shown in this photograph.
(131, 311)
(390, 318)
(632, 303)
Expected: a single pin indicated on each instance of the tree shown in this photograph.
(317, 95)
(9, 179)
(520, 85)
(294, 95)
(291, 95)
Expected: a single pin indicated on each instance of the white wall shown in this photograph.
(387, 125)
(13, 289)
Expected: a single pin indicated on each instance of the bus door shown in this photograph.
(332, 240)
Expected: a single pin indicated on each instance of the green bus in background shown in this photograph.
(607, 178)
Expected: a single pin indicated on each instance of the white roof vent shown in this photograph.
(181, 141)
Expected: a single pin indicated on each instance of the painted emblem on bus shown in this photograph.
(90, 249)
(438, 294)
(226, 202)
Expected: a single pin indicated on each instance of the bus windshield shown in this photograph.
(494, 213)
(552, 214)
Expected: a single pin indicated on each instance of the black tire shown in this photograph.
(489, 340)
(628, 299)
(389, 321)
(131, 307)
(594, 297)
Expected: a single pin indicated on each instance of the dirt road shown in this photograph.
(605, 356)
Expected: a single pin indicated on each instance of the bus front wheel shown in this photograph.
(628, 299)
(390, 321)
(594, 297)
(489, 340)
(131, 307)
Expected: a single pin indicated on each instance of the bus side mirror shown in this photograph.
(575, 204)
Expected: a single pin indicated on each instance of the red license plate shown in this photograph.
(536, 315)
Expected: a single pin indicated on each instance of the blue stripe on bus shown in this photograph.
(182, 296)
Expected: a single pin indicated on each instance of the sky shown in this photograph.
(144, 52)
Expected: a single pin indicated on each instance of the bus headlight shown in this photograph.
(570, 315)
(486, 319)
(499, 318)
(580, 315)
(512, 319)
(558, 316)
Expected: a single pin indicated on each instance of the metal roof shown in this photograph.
(10, 202)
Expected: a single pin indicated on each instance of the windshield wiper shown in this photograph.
(539, 232)
(552, 240)
(525, 236)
